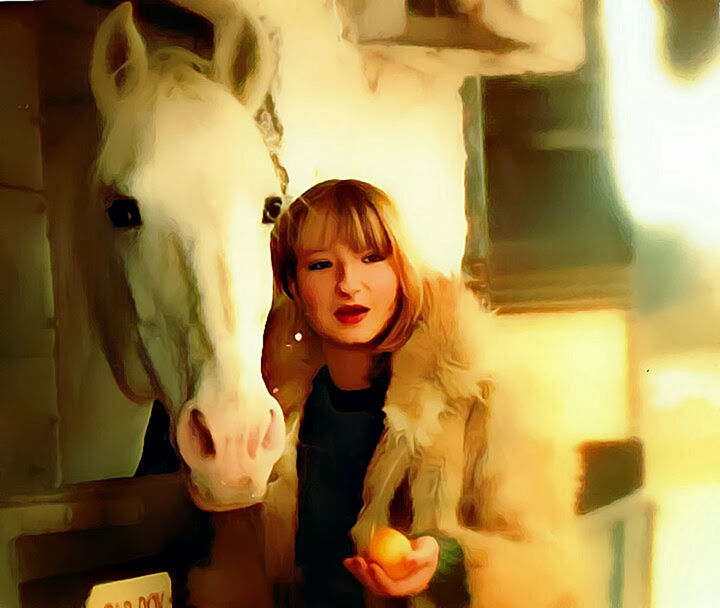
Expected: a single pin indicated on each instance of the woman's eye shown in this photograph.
(124, 213)
(373, 257)
(319, 265)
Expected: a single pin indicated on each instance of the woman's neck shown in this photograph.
(349, 366)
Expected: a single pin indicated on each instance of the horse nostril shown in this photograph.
(269, 438)
(201, 432)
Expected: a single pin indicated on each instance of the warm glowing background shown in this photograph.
(666, 130)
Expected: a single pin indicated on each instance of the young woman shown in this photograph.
(398, 427)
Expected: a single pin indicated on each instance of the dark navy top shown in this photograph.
(337, 438)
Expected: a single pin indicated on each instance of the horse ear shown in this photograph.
(244, 59)
(119, 58)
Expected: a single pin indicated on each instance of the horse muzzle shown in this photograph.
(229, 457)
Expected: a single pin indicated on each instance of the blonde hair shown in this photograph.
(366, 219)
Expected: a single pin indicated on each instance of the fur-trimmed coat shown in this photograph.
(480, 468)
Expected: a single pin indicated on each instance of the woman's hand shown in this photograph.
(421, 564)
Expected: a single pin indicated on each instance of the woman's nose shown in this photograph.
(348, 280)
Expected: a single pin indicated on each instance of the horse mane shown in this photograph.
(174, 70)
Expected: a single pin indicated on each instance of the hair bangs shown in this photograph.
(355, 224)
(361, 228)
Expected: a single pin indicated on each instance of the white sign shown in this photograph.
(151, 591)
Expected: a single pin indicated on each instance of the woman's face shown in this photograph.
(349, 296)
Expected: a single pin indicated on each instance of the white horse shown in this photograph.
(175, 257)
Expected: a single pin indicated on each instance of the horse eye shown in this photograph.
(273, 205)
(124, 213)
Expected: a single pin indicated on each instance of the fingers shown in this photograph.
(357, 566)
(359, 569)
(425, 547)
(416, 582)
(352, 563)
(426, 552)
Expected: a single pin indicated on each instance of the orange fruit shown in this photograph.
(387, 548)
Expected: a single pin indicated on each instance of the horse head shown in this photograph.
(176, 260)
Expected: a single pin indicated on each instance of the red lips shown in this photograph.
(350, 315)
